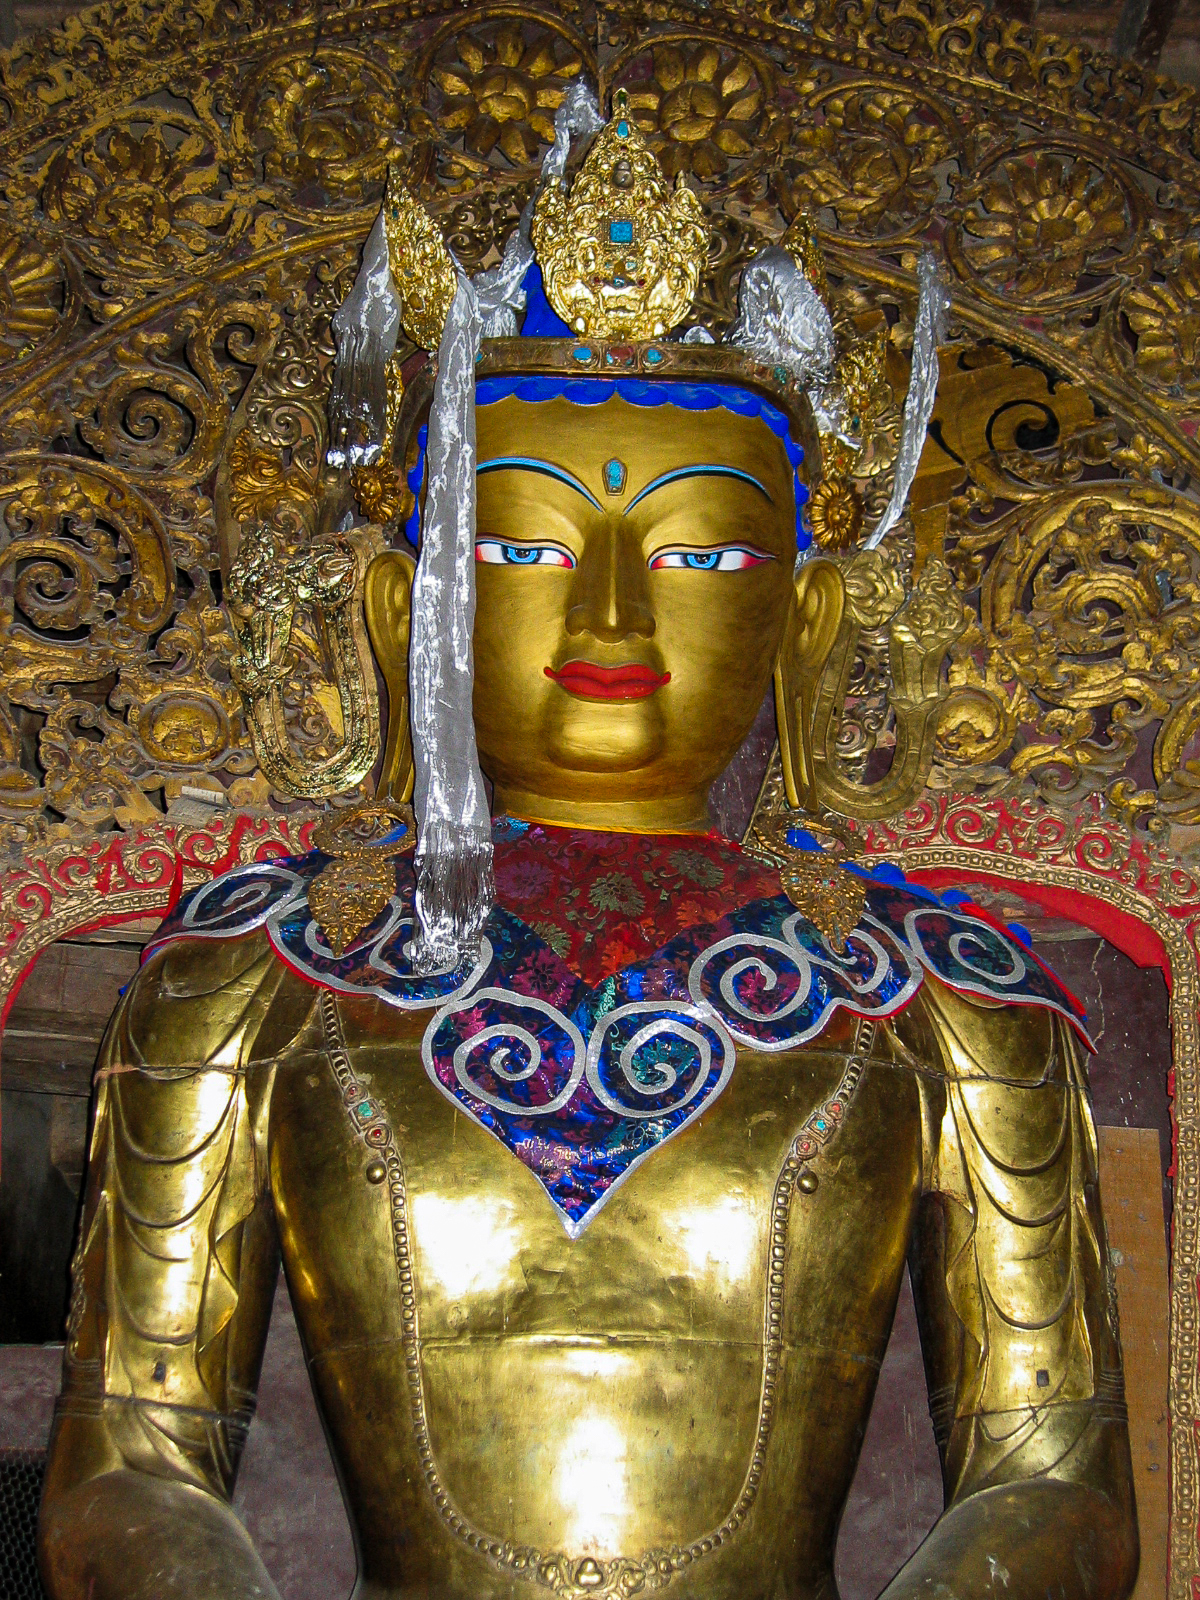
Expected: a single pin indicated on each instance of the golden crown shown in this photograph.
(620, 253)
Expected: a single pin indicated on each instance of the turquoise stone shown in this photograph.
(622, 129)
(581, 353)
(614, 476)
(620, 230)
(653, 357)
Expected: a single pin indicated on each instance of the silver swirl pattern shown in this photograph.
(791, 1005)
(238, 903)
(969, 931)
(631, 1076)
(502, 1053)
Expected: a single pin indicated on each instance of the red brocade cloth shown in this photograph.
(603, 901)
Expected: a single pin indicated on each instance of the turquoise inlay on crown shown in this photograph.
(614, 476)
(620, 230)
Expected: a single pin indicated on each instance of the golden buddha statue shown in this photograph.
(595, 1209)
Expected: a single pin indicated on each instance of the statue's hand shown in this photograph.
(128, 1536)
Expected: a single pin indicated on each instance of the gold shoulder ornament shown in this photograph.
(815, 881)
(355, 886)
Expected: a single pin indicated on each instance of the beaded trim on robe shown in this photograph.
(582, 1081)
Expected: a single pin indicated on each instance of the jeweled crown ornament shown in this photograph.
(621, 254)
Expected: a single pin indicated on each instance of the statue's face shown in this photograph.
(634, 571)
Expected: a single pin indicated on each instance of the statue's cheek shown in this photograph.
(519, 628)
(725, 626)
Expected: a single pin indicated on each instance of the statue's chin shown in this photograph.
(605, 737)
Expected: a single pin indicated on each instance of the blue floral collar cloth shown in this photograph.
(583, 1080)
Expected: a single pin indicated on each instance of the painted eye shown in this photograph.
(728, 558)
(499, 554)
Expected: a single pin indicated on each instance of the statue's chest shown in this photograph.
(626, 1388)
(372, 1155)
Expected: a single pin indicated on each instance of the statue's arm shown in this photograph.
(172, 1285)
(1018, 1318)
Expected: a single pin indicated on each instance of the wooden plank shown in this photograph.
(1131, 1193)
(53, 1032)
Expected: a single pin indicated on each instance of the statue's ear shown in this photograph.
(387, 602)
(809, 637)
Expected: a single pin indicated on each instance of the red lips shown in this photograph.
(630, 681)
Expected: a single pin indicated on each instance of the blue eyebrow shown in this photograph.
(546, 468)
(706, 470)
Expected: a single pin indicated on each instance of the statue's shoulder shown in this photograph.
(196, 1004)
(211, 986)
(988, 1006)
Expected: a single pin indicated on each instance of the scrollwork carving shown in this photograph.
(868, 157)
(705, 109)
(1040, 224)
(265, 589)
(491, 88)
(322, 123)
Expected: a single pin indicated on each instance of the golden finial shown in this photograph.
(802, 244)
(621, 254)
(422, 269)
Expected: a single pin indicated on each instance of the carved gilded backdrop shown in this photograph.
(187, 186)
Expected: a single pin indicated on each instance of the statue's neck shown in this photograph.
(671, 814)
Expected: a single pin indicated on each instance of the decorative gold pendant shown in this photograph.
(830, 897)
(815, 881)
(353, 888)
(350, 894)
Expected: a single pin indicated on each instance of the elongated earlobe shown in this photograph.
(808, 639)
(387, 602)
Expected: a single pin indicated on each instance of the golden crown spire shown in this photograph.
(620, 254)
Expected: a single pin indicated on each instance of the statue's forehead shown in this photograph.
(652, 438)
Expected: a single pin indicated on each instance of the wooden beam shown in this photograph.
(1131, 1193)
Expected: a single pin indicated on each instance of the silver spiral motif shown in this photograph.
(516, 1055)
(787, 1022)
(659, 1079)
(970, 932)
(844, 964)
(263, 892)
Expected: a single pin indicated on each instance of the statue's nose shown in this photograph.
(610, 595)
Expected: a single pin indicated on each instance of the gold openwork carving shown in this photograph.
(246, 198)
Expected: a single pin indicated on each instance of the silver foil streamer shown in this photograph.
(455, 888)
(365, 326)
(579, 114)
(454, 849)
(783, 322)
(933, 302)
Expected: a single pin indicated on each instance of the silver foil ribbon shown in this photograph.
(783, 322)
(365, 326)
(933, 302)
(455, 887)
